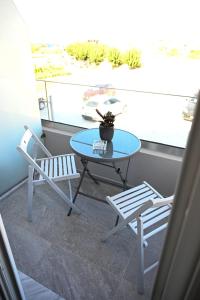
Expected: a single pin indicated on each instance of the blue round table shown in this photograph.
(123, 146)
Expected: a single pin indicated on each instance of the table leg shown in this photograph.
(89, 174)
(124, 181)
(117, 221)
(84, 163)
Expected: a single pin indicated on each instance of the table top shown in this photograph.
(123, 145)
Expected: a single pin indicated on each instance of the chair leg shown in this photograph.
(140, 249)
(79, 185)
(117, 220)
(30, 193)
(70, 190)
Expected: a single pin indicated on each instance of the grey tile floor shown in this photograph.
(65, 254)
(34, 290)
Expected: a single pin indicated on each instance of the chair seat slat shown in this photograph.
(132, 201)
(55, 167)
(152, 212)
(128, 211)
(73, 165)
(50, 167)
(46, 167)
(60, 166)
(64, 166)
(164, 216)
(156, 219)
(153, 189)
(119, 195)
(155, 231)
(69, 165)
(130, 195)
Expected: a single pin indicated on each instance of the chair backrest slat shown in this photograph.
(25, 140)
(37, 140)
(23, 148)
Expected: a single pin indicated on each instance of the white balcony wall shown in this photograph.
(18, 105)
(160, 169)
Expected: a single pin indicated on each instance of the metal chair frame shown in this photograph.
(50, 169)
(146, 212)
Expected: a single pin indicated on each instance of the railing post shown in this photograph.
(49, 105)
(51, 116)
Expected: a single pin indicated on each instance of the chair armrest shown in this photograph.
(163, 201)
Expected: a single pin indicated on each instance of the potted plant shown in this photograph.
(106, 127)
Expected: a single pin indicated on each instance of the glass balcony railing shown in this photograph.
(155, 117)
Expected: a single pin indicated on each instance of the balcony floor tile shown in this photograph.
(66, 254)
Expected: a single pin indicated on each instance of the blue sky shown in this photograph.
(119, 21)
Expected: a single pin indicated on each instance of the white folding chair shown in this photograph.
(146, 212)
(49, 170)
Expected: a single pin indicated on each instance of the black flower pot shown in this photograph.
(106, 133)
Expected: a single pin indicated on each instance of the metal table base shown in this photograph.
(86, 170)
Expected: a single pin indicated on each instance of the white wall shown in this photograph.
(18, 105)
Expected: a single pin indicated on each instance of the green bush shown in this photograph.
(133, 58)
(93, 52)
(78, 50)
(70, 49)
(96, 53)
(82, 52)
(194, 54)
(115, 57)
(48, 71)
